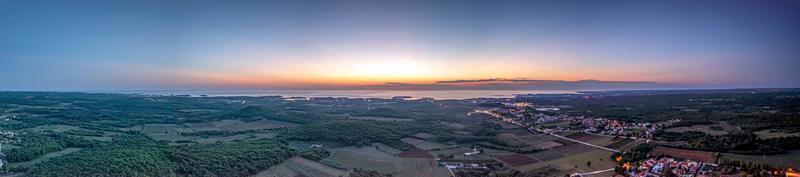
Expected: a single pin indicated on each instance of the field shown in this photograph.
(44, 157)
(618, 143)
(457, 152)
(371, 158)
(517, 159)
(526, 138)
(546, 155)
(415, 153)
(591, 139)
(426, 145)
(548, 145)
(789, 159)
(726, 128)
(386, 148)
(685, 154)
(298, 166)
(573, 148)
(172, 132)
(161, 129)
(423, 135)
(55, 128)
(766, 134)
(379, 118)
(237, 125)
(575, 162)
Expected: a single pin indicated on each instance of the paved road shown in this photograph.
(585, 143)
(594, 172)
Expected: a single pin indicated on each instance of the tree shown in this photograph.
(588, 163)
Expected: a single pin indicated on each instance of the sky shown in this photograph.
(300, 44)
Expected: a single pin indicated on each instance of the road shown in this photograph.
(585, 143)
(594, 172)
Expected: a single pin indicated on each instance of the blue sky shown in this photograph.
(133, 45)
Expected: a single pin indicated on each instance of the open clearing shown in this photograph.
(568, 164)
(161, 129)
(379, 118)
(789, 159)
(423, 135)
(386, 148)
(726, 128)
(426, 145)
(618, 143)
(592, 139)
(684, 154)
(55, 128)
(298, 166)
(767, 134)
(237, 125)
(523, 137)
(517, 159)
(43, 158)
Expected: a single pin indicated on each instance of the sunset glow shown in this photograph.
(324, 45)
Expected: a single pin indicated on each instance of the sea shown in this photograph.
(437, 94)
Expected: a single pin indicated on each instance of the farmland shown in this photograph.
(426, 145)
(298, 166)
(412, 163)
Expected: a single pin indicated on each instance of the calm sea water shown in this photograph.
(438, 94)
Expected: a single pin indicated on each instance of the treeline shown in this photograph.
(635, 154)
(252, 113)
(133, 155)
(138, 155)
(740, 143)
(229, 159)
(356, 133)
(315, 154)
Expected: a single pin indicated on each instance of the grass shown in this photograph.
(380, 118)
(237, 125)
(161, 129)
(426, 145)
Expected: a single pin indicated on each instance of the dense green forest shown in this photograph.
(229, 159)
(137, 155)
(357, 133)
(32, 145)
